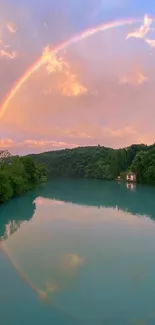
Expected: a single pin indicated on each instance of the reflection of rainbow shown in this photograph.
(41, 61)
(16, 267)
(40, 293)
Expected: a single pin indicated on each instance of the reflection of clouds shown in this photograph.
(67, 263)
(139, 321)
(71, 261)
(43, 201)
(50, 289)
(84, 214)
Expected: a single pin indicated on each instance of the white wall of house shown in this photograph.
(131, 177)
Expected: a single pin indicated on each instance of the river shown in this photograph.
(78, 252)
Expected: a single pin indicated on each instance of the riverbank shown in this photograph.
(18, 175)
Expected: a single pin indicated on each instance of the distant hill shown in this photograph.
(100, 162)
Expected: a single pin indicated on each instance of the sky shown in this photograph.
(97, 88)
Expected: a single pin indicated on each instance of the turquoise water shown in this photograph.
(78, 252)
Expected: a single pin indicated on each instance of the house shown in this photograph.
(131, 177)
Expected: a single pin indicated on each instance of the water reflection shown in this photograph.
(82, 244)
(131, 186)
(127, 198)
(139, 201)
(14, 213)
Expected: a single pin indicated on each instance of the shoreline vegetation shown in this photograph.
(20, 174)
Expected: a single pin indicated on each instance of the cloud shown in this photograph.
(37, 146)
(151, 42)
(7, 54)
(72, 87)
(143, 30)
(6, 143)
(76, 133)
(48, 143)
(53, 63)
(11, 28)
(68, 84)
(137, 78)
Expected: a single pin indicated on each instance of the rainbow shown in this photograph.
(42, 60)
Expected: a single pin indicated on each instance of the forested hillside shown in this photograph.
(101, 162)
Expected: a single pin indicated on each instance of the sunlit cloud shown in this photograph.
(6, 143)
(128, 130)
(52, 144)
(38, 146)
(72, 87)
(151, 42)
(143, 30)
(54, 63)
(7, 54)
(68, 85)
(11, 28)
(137, 78)
(76, 133)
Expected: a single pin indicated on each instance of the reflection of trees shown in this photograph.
(84, 192)
(103, 193)
(14, 213)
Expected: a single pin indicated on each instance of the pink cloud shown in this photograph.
(143, 29)
(11, 28)
(7, 54)
(136, 78)
(36, 146)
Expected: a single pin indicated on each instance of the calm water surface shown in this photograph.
(78, 252)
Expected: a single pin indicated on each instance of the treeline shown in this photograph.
(100, 162)
(18, 175)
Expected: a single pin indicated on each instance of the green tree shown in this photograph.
(6, 190)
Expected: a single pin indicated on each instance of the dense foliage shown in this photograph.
(18, 175)
(101, 162)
